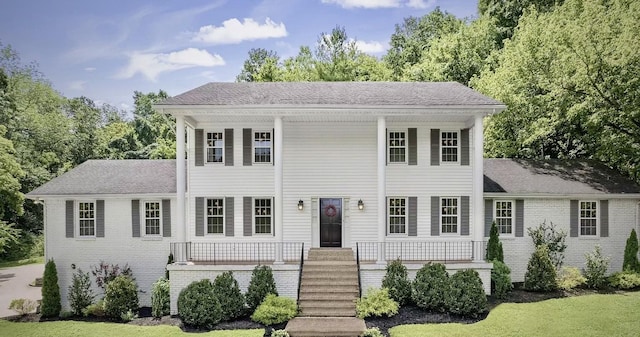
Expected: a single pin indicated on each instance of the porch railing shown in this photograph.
(423, 251)
(236, 252)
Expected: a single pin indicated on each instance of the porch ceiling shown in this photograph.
(328, 117)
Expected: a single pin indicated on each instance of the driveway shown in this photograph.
(14, 283)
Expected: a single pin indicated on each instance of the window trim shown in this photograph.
(457, 147)
(207, 147)
(513, 217)
(253, 216)
(406, 217)
(405, 146)
(458, 223)
(206, 216)
(143, 217)
(77, 218)
(253, 147)
(597, 218)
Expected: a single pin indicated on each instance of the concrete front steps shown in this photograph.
(328, 292)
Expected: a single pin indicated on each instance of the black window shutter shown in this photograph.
(435, 147)
(199, 147)
(246, 147)
(464, 215)
(412, 136)
(247, 216)
(166, 218)
(273, 147)
(69, 218)
(435, 216)
(386, 146)
(488, 216)
(464, 147)
(519, 218)
(413, 216)
(99, 218)
(273, 216)
(200, 216)
(573, 218)
(604, 218)
(228, 216)
(228, 147)
(135, 218)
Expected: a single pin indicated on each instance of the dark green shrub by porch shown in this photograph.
(494, 246)
(541, 273)
(431, 287)
(397, 281)
(50, 291)
(261, 285)
(198, 305)
(466, 297)
(500, 279)
(229, 295)
(630, 262)
(120, 296)
(160, 298)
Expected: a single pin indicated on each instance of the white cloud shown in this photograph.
(152, 65)
(370, 47)
(421, 4)
(77, 85)
(89, 69)
(381, 3)
(233, 31)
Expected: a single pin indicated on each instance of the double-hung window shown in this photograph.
(152, 217)
(215, 216)
(215, 147)
(449, 146)
(504, 216)
(588, 218)
(397, 213)
(397, 147)
(262, 147)
(449, 215)
(86, 218)
(262, 216)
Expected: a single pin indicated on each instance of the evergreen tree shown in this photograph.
(631, 254)
(494, 246)
(50, 291)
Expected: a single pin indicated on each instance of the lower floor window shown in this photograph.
(262, 216)
(215, 216)
(449, 215)
(588, 218)
(504, 217)
(152, 217)
(86, 219)
(397, 215)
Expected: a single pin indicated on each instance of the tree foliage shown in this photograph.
(494, 246)
(51, 305)
(630, 262)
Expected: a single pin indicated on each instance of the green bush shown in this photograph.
(279, 333)
(596, 269)
(494, 246)
(541, 273)
(80, 293)
(120, 296)
(397, 281)
(467, 297)
(261, 285)
(96, 309)
(66, 314)
(275, 310)
(230, 296)
(431, 287)
(198, 305)
(105, 273)
(500, 279)
(570, 278)
(50, 291)
(553, 238)
(625, 280)
(160, 298)
(128, 316)
(372, 332)
(22, 306)
(630, 262)
(378, 303)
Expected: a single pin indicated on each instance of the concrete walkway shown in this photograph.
(14, 283)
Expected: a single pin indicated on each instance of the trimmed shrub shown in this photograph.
(372, 332)
(431, 287)
(96, 309)
(229, 295)
(120, 296)
(494, 246)
(22, 306)
(625, 280)
(553, 238)
(596, 269)
(169, 261)
(467, 297)
(128, 316)
(275, 310)
(160, 298)
(198, 305)
(397, 281)
(541, 274)
(105, 273)
(378, 303)
(500, 279)
(630, 262)
(80, 293)
(279, 333)
(261, 285)
(570, 278)
(50, 291)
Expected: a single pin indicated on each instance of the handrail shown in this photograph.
(300, 273)
(445, 251)
(358, 265)
(235, 252)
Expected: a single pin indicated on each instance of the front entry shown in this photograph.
(331, 222)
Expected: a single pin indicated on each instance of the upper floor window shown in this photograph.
(397, 147)
(215, 146)
(588, 218)
(215, 216)
(262, 216)
(449, 215)
(504, 216)
(397, 215)
(152, 217)
(262, 147)
(87, 218)
(449, 146)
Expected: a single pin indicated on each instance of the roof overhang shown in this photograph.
(595, 196)
(37, 197)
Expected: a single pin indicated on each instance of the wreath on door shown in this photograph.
(330, 211)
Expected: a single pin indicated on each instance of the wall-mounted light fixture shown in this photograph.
(360, 204)
(300, 205)
(73, 266)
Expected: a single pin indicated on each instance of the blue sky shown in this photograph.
(107, 49)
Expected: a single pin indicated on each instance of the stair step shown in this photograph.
(346, 288)
(348, 297)
(325, 326)
(327, 304)
(323, 275)
(330, 268)
(327, 312)
(329, 263)
(334, 282)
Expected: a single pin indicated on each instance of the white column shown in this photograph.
(382, 186)
(478, 192)
(181, 226)
(277, 168)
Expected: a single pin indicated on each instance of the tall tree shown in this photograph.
(11, 198)
(85, 119)
(155, 131)
(507, 13)
(258, 57)
(336, 56)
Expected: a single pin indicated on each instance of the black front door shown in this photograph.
(331, 222)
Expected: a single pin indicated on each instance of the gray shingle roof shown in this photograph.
(332, 93)
(113, 177)
(526, 176)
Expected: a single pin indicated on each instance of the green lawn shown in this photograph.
(31, 260)
(78, 329)
(590, 315)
